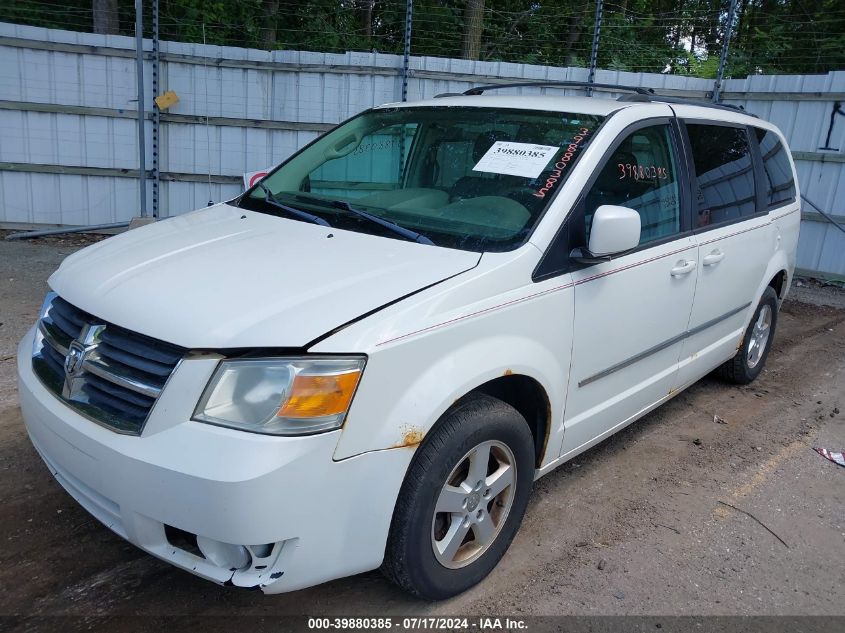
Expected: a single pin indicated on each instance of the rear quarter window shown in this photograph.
(780, 182)
(724, 173)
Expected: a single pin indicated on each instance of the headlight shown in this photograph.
(38, 339)
(281, 396)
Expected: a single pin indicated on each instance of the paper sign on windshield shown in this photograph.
(516, 159)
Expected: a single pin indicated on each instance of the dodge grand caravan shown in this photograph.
(367, 358)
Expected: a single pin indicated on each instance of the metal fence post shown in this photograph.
(156, 111)
(139, 72)
(594, 54)
(406, 54)
(723, 60)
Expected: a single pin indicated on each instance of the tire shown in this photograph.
(418, 557)
(752, 354)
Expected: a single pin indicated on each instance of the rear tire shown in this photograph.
(462, 500)
(752, 354)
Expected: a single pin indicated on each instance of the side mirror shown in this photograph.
(614, 230)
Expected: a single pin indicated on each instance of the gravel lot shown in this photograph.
(637, 525)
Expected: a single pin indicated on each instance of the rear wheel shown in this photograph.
(462, 500)
(752, 354)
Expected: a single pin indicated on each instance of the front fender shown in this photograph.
(408, 385)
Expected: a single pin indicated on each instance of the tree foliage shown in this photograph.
(672, 36)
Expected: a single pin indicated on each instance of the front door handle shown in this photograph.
(683, 267)
(713, 258)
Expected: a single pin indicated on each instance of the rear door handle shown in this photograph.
(683, 267)
(713, 258)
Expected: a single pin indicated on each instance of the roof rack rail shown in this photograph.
(687, 101)
(635, 93)
(562, 84)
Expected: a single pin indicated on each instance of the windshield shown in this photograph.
(462, 177)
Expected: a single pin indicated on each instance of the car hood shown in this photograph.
(225, 277)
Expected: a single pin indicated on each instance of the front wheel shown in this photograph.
(754, 350)
(462, 500)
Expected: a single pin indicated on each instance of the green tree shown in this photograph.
(672, 36)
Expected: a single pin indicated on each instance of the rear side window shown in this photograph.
(724, 173)
(780, 184)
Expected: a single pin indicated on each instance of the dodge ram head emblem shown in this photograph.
(74, 358)
(80, 350)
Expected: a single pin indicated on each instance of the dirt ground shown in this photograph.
(637, 525)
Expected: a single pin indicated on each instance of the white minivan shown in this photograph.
(367, 359)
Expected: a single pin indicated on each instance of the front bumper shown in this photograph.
(324, 519)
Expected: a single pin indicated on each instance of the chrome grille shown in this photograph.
(109, 374)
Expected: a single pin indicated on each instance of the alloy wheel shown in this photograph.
(759, 336)
(473, 504)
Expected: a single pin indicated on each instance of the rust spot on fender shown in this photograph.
(739, 345)
(411, 437)
(508, 372)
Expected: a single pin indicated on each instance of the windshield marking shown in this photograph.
(567, 157)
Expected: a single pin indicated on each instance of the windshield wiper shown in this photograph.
(399, 230)
(392, 226)
(310, 217)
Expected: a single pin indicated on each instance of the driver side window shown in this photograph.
(641, 174)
